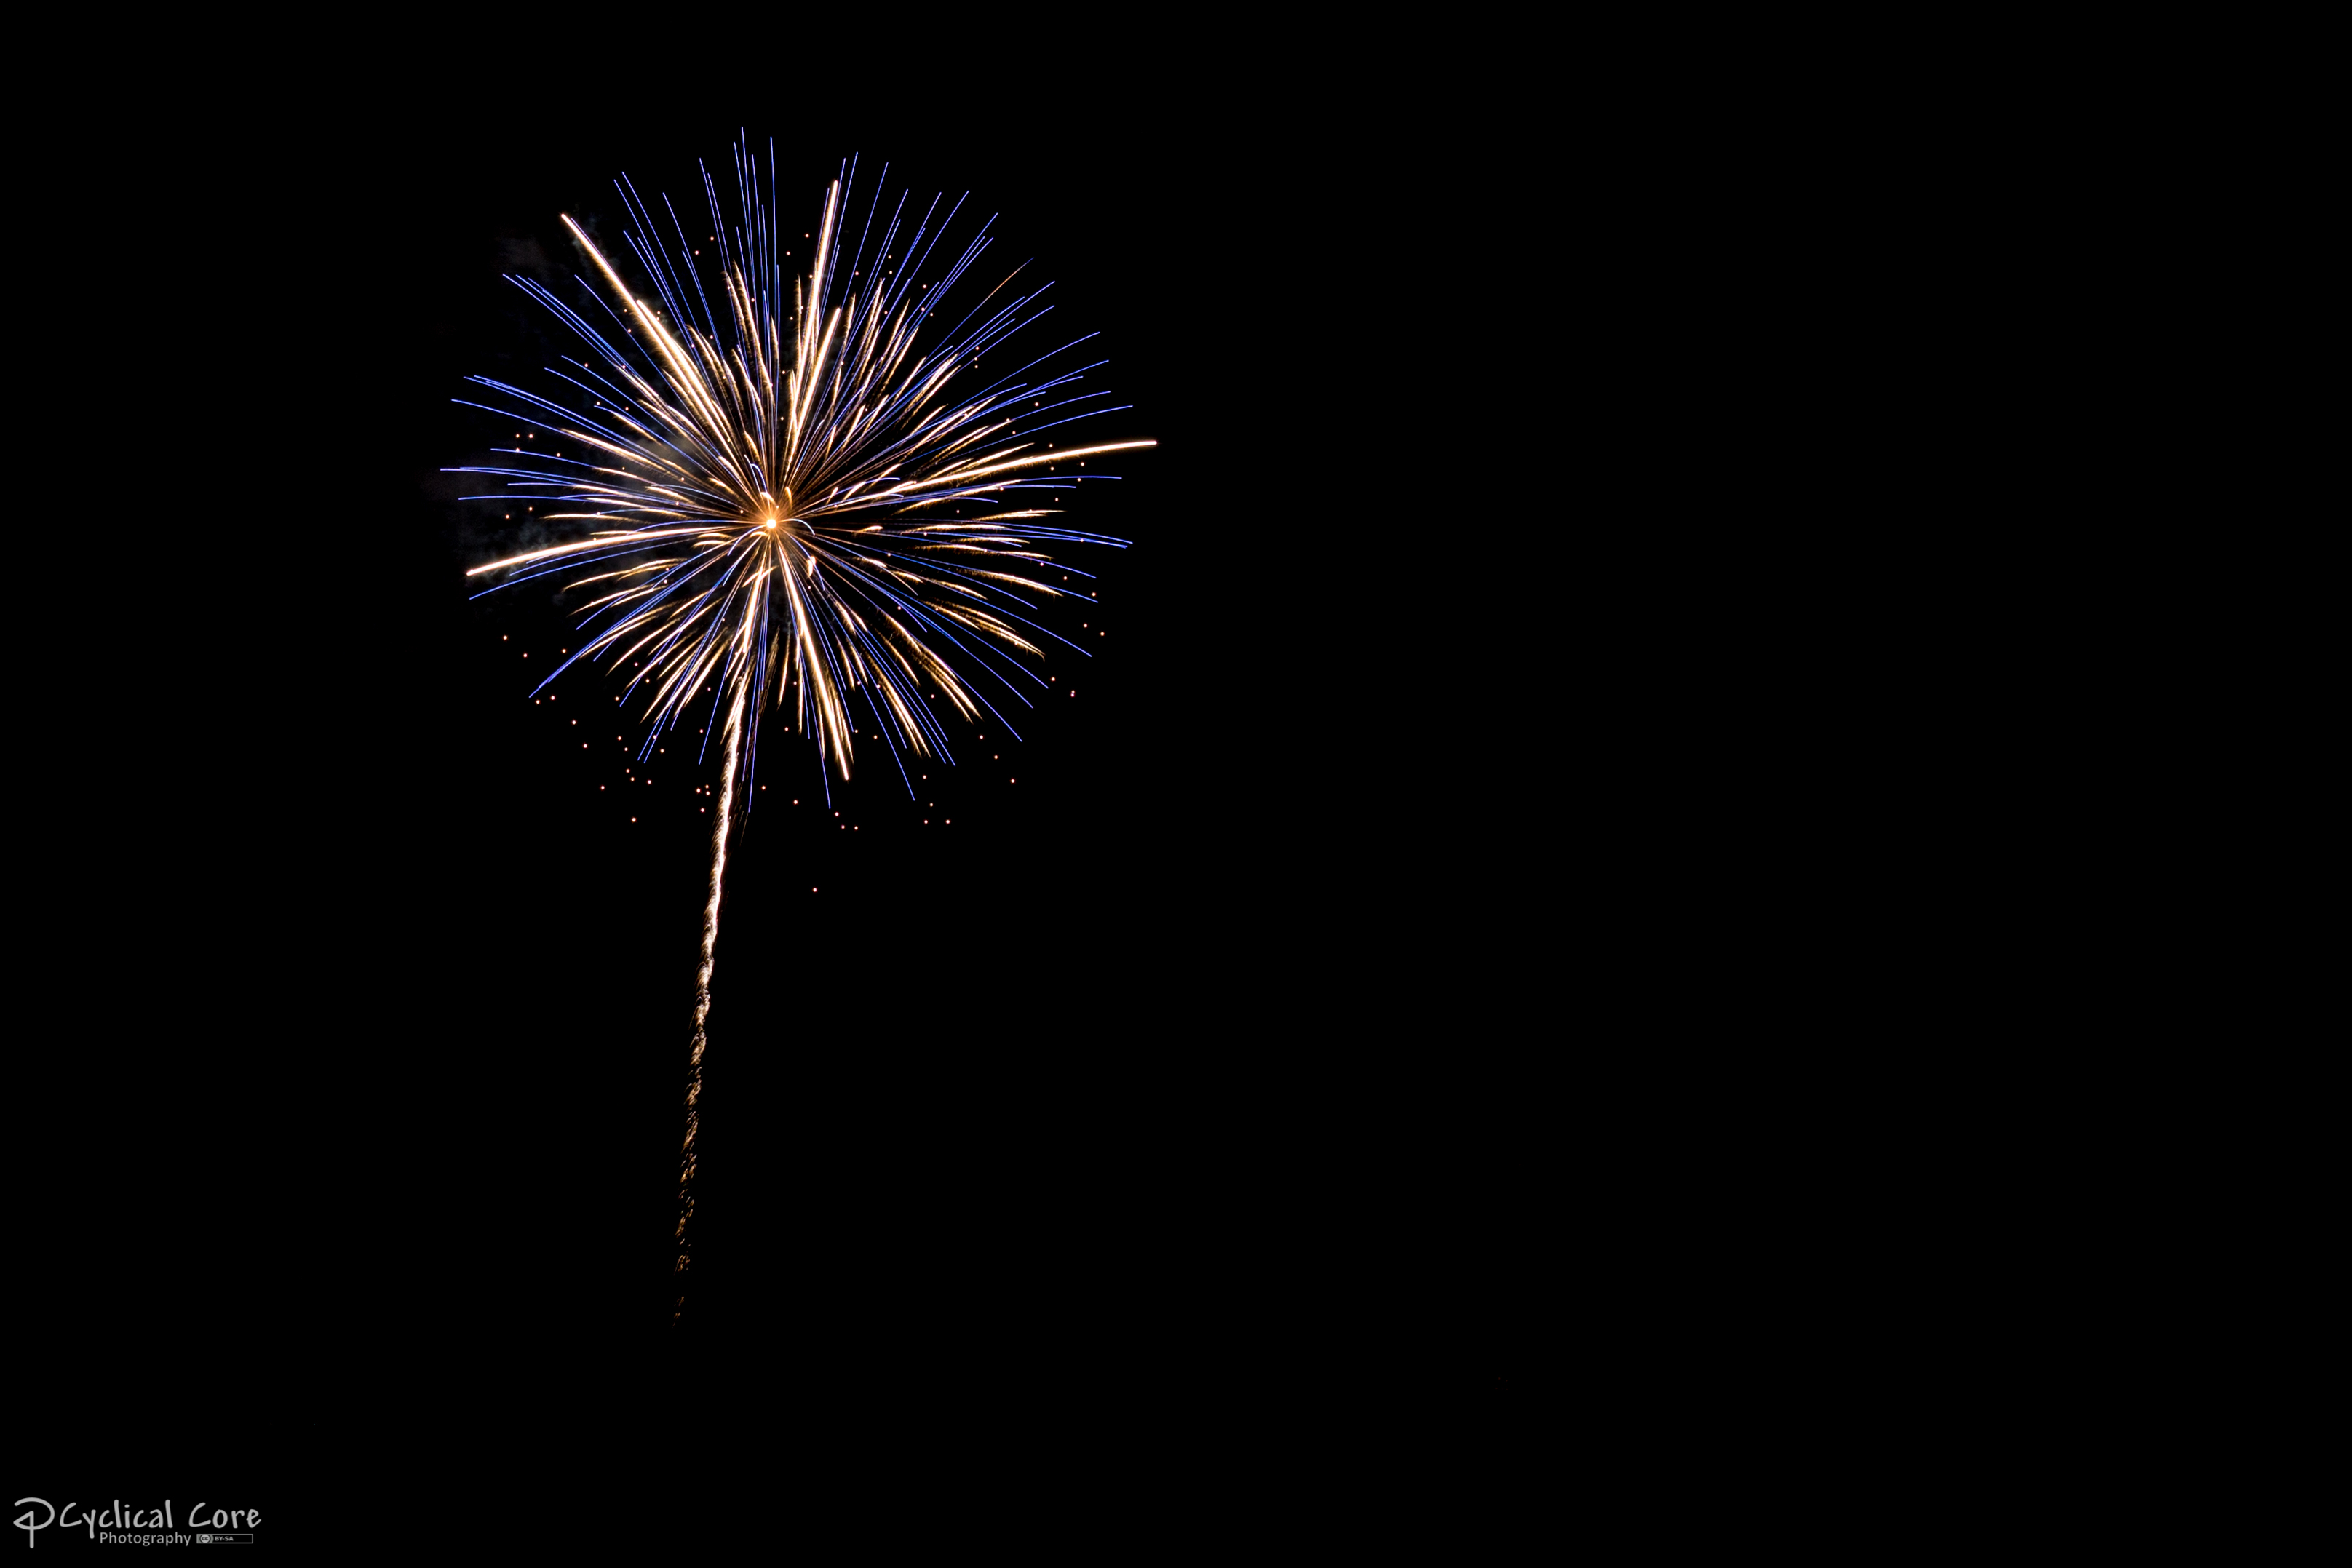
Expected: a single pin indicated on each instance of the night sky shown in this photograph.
(1072, 1076)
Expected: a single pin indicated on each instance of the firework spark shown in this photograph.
(792, 487)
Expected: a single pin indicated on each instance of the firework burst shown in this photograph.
(800, 492)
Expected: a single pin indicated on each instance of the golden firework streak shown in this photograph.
(734, 735)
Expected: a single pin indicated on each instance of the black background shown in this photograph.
(1137, 1081)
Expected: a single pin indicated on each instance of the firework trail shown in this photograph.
(702, 992)
(801, 512)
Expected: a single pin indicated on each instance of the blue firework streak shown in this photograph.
(792, 490)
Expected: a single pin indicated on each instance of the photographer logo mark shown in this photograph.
(25, 1519)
